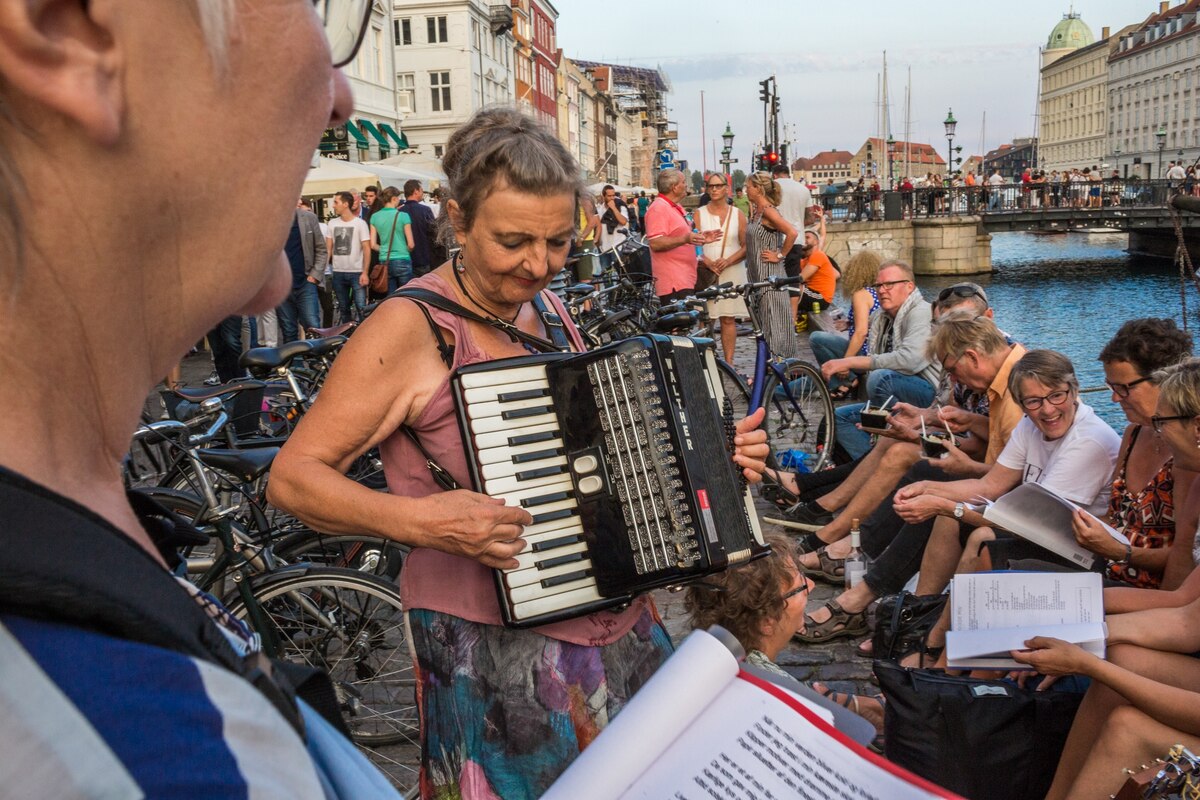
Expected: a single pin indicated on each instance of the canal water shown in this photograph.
(1071, 292)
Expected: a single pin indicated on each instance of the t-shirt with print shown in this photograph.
(382, 221)
(348, 239)
(1077, 465)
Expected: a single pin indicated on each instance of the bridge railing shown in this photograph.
(853, 205)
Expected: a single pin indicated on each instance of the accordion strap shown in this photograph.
(551, 320)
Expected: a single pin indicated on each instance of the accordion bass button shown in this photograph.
(590, 484)
(585, 464)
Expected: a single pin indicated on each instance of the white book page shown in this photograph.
(660, 711)
(1024, 599)
(751, 744)
(978, 643)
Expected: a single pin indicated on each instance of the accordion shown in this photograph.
(623, 457)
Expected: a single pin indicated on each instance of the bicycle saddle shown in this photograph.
(336, 330)
(198, 393)
(272, 357)
(246, 465)
(323, 347)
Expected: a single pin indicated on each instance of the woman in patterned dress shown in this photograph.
(769, 238)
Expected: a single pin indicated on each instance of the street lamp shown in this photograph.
(891, 146)
(951, 123)
(1160, 137)
(727, 150)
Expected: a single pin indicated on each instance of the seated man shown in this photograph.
(899, 368)
(864, 486)
(976, 354)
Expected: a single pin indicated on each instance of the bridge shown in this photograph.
(1137, 207)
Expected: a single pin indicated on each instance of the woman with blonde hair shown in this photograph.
(769, 238)
(864, 301)
(724, 257)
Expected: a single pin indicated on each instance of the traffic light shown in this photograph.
(775, 105)
(767, 160)
(764, 93)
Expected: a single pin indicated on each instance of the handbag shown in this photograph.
(984, 739)
(705, 277)
(379, 272)
(903, 622)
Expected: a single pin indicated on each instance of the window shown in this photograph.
(439, 89)
(406, 91)
(402, 28)
(436, 28)
(377, 53)
(438, 150)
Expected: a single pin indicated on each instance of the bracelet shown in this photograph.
(1128, 559)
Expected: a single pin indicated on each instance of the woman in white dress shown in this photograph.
(725, 256)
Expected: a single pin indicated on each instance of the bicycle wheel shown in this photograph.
(735, 389)
(799, 415)
(351, 625)
(369, 554)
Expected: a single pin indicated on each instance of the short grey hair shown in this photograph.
(668, 179)
(1047, 367)
(903, 266)
(959, 331)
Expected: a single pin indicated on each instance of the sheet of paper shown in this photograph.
(977, 643)
(753, 743)
(662, 709)
(1022, 599)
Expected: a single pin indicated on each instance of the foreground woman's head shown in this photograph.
(1177, 417)
(1138, 350)
(1043, 382)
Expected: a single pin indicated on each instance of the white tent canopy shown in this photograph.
(413, 165)
(595, 188)
(390, 175)
(333, 175)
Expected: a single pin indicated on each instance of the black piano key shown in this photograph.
(521, 413)
(558, 580)
(542, 472)
(562, 541)
(550, 516)
(527, 394)
(558, 562)
(525, 458)
(530, 438)
(542, 500)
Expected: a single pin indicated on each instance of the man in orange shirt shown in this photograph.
(819, 274)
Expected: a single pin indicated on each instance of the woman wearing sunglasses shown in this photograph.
(96, 312)
(724, 258)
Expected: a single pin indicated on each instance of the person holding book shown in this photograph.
(1146, 695)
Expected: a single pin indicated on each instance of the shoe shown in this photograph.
(802, 516)
(212, 380)
(831, 570)
(840, 623)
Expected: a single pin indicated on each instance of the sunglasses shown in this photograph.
(345, 23)
(960, 290)
(714, 186)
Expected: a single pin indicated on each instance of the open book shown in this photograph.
(992, 613)
(702, 728)
(1043, 516)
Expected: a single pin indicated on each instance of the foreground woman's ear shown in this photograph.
(59, 60)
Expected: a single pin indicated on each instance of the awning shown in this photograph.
(400, 139)
(332, 175)
(359, 139)
(384, 144)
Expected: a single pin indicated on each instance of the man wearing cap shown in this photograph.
(819, 274)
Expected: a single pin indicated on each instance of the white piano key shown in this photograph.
(496, 377)
(492, 424)
(499, 439)
(534, 591)
(575, 596)
(502, 486)
(553, 529)
(485, 394)
(502, 470)
(495, 409)
(501, 455)
(531, 577)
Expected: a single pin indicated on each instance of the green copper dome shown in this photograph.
(1071, 33)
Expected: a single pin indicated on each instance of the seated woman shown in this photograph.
(864, 301)
(1060, 443)
(1146, 696)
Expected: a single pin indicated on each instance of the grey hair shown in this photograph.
(499, 146)
(668, 179)
(960, 331)
(903, 266)
(1047, 367)
(1179, 386)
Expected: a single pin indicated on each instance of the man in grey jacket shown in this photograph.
(307, 255)
(898, 365)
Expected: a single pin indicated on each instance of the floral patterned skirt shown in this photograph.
(503, 712)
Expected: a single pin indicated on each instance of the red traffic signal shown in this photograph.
(772, 159)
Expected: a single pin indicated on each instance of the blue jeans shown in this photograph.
(399, 273)
(826, 347)
(301, 305)
(345, 287)
(881, 384)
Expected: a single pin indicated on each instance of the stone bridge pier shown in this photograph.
(936, 246)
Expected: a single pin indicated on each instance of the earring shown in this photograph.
(459, 266)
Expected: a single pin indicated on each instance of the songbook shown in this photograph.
(1043, 516)
(702, 727)
(993, 613)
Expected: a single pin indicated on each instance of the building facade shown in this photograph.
(913, 159)
(452, 58)
(1154, 92)
(640, 93)
(543, 18)
(1011, 159)
(820, 168)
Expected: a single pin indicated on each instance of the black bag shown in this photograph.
(984, 739)
(903, 621)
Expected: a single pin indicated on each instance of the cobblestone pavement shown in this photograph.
(835, 663)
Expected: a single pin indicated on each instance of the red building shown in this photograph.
(542, 17)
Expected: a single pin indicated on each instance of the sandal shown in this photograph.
(832, 570)
(807, 542)
(844, 392)
(851, 702)
(840, 623)
(774, 492)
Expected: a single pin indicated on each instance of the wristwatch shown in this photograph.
(959, 510)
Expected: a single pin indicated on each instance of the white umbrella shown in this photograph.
(333, 175)
(392, 175)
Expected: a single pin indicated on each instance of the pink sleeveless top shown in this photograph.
(451, 584)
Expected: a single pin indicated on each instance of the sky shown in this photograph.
(974, 58)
